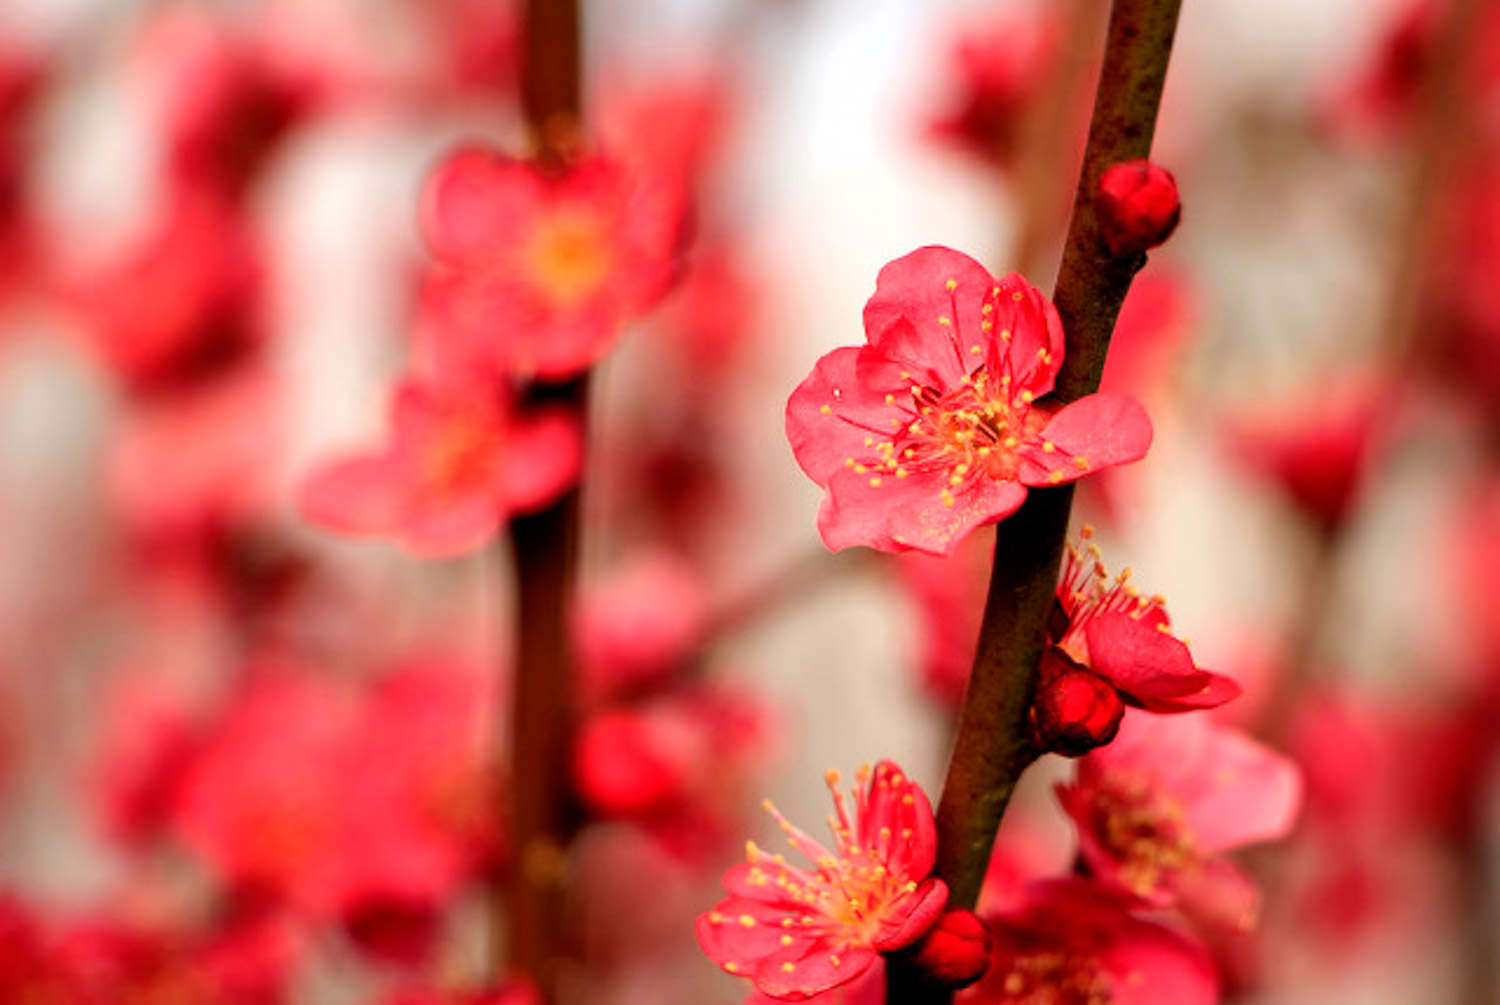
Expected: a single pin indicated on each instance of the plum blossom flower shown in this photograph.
(1103, 623)
(536, 272)
(1071, 940)
(1155, 809)
(798, 932)
(458, 463)
(937, 426)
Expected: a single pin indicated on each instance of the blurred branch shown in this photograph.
(531, 909)
(991, 749)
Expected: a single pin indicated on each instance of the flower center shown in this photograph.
(461, 453)
(1057, 977)
(569, 256)
(1144, 830)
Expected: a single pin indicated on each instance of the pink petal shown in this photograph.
(1152, 965)
(1151, 666)
(1217, 895)
(851, 383)
(475, 202)
(359, 495)
(1091, 433)
(927, 903)
(898, 805)
(813, 971)
(909, 514)
(1245, 792)
(914, 289)
(1033, 353)
(442, 527)
(543, 458)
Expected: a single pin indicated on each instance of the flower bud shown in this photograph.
(1137, 206)
(955, 952)
(1075, 710)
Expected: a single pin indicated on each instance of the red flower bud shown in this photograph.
(955, 952)
(1138, 207)
(1075, 710)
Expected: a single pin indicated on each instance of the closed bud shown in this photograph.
(1137, 206)
(1075, 709)
(955, 952)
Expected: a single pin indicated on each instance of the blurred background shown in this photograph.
(243, 758)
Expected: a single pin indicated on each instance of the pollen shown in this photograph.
(825, 410)
(951, 285)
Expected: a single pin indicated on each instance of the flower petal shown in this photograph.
(358, 495)
(475, 202)
(911, 514)
(914, 289)
(1091, 433)
(1152, 667)
(543, 458)
(840, 405)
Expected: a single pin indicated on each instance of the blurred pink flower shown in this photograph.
(457, 463)
(1155, 808)
(536, 272)
(934, 427)
(638, 624)
(1074, 940)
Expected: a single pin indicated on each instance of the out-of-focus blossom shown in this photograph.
(187, 465)
(537, 271)
(458, 461)
(1156, 807)
(935, 427)
(999, 68)
(709, 317)
(240, 961)
(674, 765)
(1104, 624)
(361, 809)
(1137, 207)
(1316, 447)
(1381, 98)
(797, 932)
(638, 624)
(175, 302)
(1073, 940)
(21, 77)
(666, 127)
(949, 594)
(148, 739)
(219, 104)
(1464, 300)
(515, 993)
(478, 43)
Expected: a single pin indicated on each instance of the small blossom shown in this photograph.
(798, 932)
(955, 952)
(1105, 624)
(458, 463)
(1070, 940)
(1138, 207)
(937, 426)
(536, 272)
(1155, 808)
(639, 623)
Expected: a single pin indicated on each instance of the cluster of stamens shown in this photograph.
(1057, 978)
(847, 896)
(969, 431)
(1144, 830)
(462, 451)
(1086, 590)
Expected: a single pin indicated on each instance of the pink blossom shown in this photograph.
(536, 272)
(798, 932)
(1156, 808)
(639, 623)
(937, 425)
(1072, 940)
(458, 462)
(1106, 625)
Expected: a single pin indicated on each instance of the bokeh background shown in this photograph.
(1314, 344)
